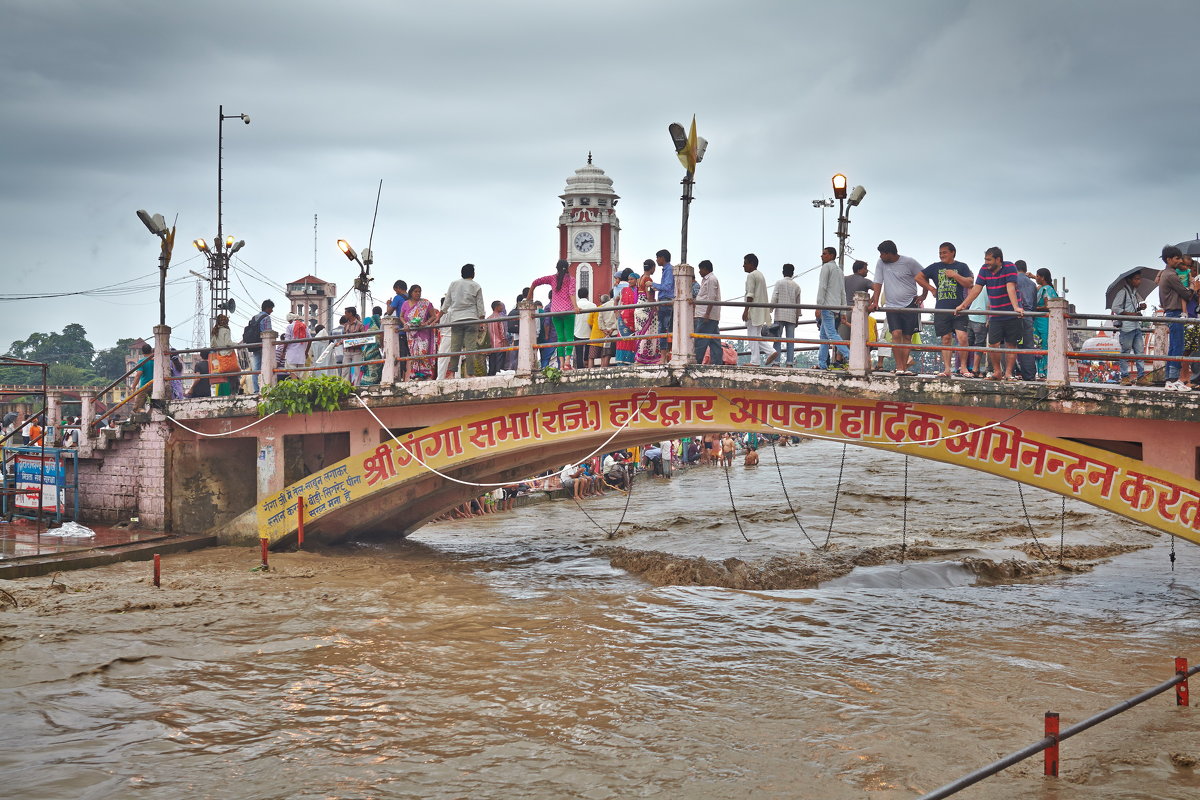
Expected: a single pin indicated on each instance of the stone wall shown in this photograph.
(127, 479)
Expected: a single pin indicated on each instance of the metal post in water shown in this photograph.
(1051, 767)
(1181, 688)
(263, 543)
(157, 571)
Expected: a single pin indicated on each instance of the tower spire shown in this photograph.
(590, 159)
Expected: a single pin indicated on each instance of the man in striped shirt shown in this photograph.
(999, 278)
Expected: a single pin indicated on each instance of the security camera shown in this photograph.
(246, 118)
(856, 195)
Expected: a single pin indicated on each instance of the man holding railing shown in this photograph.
(665, 291)
(706, 317)
(897, 277)
(999, 278)
(831, 291)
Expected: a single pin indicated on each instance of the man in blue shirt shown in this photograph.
(1027, 292)
(666, 291)
(999, 278)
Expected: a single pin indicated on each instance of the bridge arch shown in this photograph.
(403, 483)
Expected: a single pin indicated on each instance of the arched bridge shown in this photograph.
(1134, 454)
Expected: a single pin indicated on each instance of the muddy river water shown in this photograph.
(508, 656)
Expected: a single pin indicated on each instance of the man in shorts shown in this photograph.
(999, 278)
(953, 280)
(897, 277)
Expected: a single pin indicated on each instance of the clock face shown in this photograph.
(584, 242)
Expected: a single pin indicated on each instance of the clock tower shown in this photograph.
(588, 229)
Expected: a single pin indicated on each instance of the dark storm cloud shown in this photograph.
(1040, 126)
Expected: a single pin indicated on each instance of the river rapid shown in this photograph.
(514, 656)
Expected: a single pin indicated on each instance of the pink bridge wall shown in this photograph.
(127, 480)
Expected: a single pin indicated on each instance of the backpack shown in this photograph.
(252, 333)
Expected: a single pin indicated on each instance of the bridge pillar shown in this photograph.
(527, 357)
(1058, 342)
(860, 354)
(683, 349)
(391, 350)
(87, 401)
(266, 376)
(271, 464)
(162, 355)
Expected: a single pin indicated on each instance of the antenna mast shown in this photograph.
(314, 245)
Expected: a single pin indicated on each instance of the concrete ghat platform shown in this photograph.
(96, 556)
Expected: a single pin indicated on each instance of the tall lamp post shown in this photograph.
(690, 149)
(845, 203)
(158, 226)
(823, 203)
(363, 282)
(223, 247)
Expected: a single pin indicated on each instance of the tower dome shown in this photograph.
(589, 181)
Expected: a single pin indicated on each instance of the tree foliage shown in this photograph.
(69, 349)
(110, 362)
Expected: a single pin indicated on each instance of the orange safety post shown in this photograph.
(1181, 688)
(157, 570)
(263, 543)
(300, 522)
(1051, 768)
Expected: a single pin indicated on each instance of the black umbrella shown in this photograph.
(1190, 248)
(1147, 286)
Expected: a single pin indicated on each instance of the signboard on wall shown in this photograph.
(39, 474)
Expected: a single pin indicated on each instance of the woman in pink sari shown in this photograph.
(416, 315)
(646, 322)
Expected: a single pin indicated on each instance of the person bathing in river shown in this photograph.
(728, 448)
(751, 459)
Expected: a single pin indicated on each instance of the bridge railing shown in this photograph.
(522, 353)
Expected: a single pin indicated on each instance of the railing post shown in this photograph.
(87, 401)
(267, 375)
(860, 355)
(526, 338)
(391, 349)
(162, 355)
(1051, 765)
(683, 349)
(53, 407)
(1058, 342)
(1181, 688)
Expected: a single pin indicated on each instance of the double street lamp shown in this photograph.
(845, 203)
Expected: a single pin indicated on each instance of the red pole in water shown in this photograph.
(1052, 751)
(157, 570)
(1181, 688)
(263, 542)
(300, 522)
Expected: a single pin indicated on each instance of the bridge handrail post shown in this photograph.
(860, 355)
(391, 350)
(683, 349)
(87, 410)
(1058, 342)
(267, 374)
(526, 338)
(162, 355)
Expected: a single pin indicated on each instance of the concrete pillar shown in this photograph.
(527, 355)
(270, 471)
(162, 355)
(860, 354)
(53, 415)
(87, 400)
(266, 376)
(391, 350)
(1058, 366)
(683, 349)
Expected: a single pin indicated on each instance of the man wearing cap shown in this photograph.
(897, 277)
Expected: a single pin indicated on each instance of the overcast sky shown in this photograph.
(1064, 132)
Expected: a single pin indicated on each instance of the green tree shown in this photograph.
(68, 375)
(110, 362)
(70, 348)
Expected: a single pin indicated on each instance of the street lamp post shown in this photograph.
(158, 226)
(823, 203)
(845, 203)
(690, 149)
(218, 261)
(363, 282)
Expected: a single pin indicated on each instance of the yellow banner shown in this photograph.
(1125, 486)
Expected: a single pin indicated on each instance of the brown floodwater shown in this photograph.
(513, 656)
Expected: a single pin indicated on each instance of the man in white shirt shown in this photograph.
(584, 309)
(898, 276)
(786, 293)
(756, 319)
(463, 306)
(831, 291)
(707, 317)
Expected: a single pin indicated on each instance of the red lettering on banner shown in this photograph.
(487, 432)
(573, 415)
(1135, 492)
(859, 422)
(379, 467)
(445, 442)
